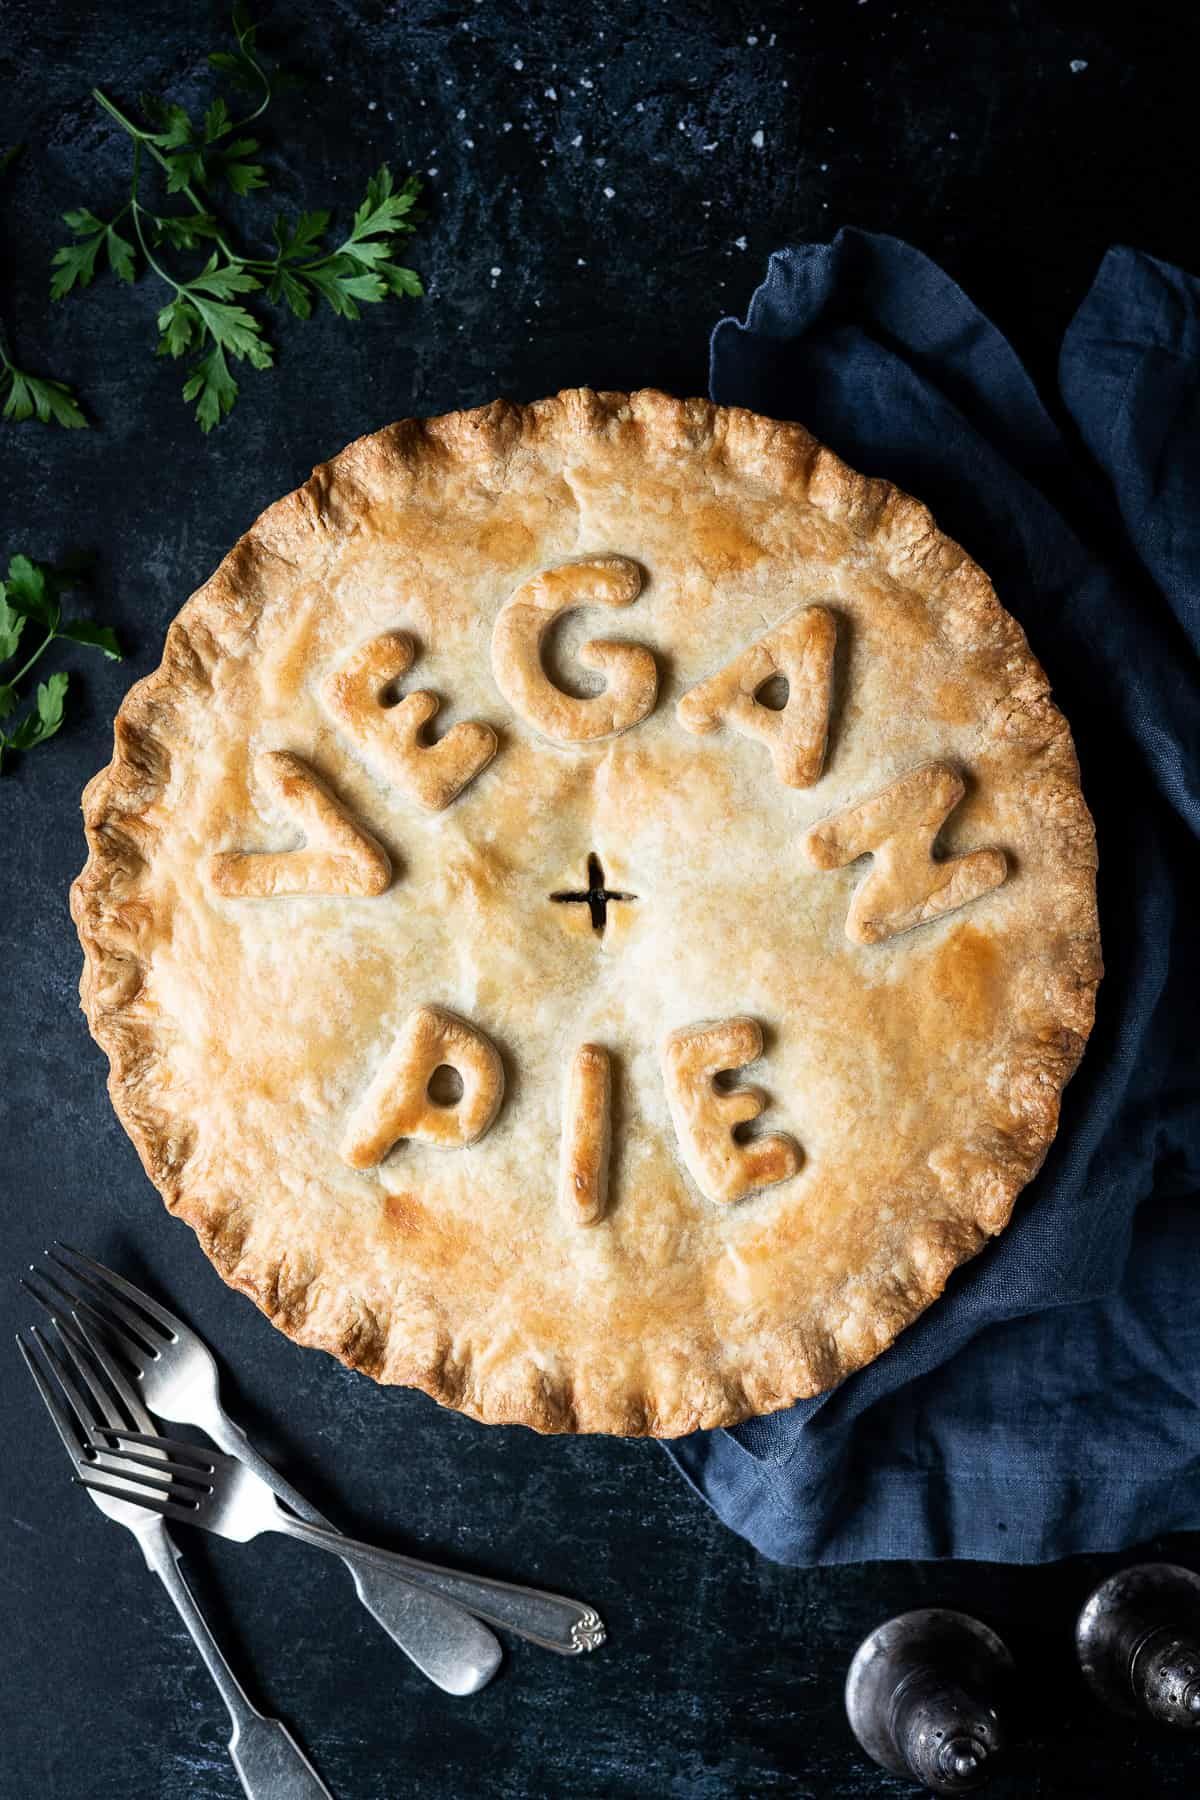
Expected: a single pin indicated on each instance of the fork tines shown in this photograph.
(83, 1390)
(137, 1323)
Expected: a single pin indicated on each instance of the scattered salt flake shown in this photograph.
(740, 242)
(551, 94)
(507, 125)
(461, 113)
(581, 262)
(586, 82)
(1077, 65)
(518, 64)
(752, 41)
(431, 171)
(758, 140)
(954, 137)
(638, 107)
(576, 140)
(494, 273)
(469, 142)
(372, 105)
(824, 168)
(599, 161)
(681, 126)
(711, 146)
(610, 193)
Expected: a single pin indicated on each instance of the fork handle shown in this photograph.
(549, 1620)
(458, 1653)
(269, 1762)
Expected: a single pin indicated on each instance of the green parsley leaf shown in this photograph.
(76, 263)
(212, 387)
(50, 697)
(296, 241)
(179, 324)
(216, 121)
(183, 231)
(28, 592)
(243, 176)
(8, 701)
(42, 723)
(36, 395)
(86, 631)
(401, 281)
(234, 329)
(177, 131)
(12, 623)
(221, 282)
(285, 286)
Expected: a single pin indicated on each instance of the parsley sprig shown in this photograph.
(205, 316)
(33, 595)
(28, 396)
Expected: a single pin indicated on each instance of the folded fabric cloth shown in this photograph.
(1049, 1402)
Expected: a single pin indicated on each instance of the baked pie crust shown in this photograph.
(440, 1043)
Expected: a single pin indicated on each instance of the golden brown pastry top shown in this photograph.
(616, 871)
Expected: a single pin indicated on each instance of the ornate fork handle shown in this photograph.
(551, 1621)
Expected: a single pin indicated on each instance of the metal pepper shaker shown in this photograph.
(926, 1696)
(1138, 1643)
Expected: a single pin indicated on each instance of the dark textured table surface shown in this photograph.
(599, 194)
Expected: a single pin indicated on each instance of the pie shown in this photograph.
(593, 915)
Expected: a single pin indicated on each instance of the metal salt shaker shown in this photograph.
(1138, 1643)
(926, 1695)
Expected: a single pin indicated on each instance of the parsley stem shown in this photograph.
(42, 647)
(141, 137)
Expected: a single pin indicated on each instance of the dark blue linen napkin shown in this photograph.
(1049, 1403)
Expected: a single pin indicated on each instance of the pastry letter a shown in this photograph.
(801, 650)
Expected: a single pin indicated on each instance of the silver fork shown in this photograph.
(177, 1375)
(269, 1763)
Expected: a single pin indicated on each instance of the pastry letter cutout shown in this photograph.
(398, 1103)
(517, 661)
(705, 1115)
(905, 887)
(801, 650)
(390, 736)
(339, 856)
(587, 1136)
